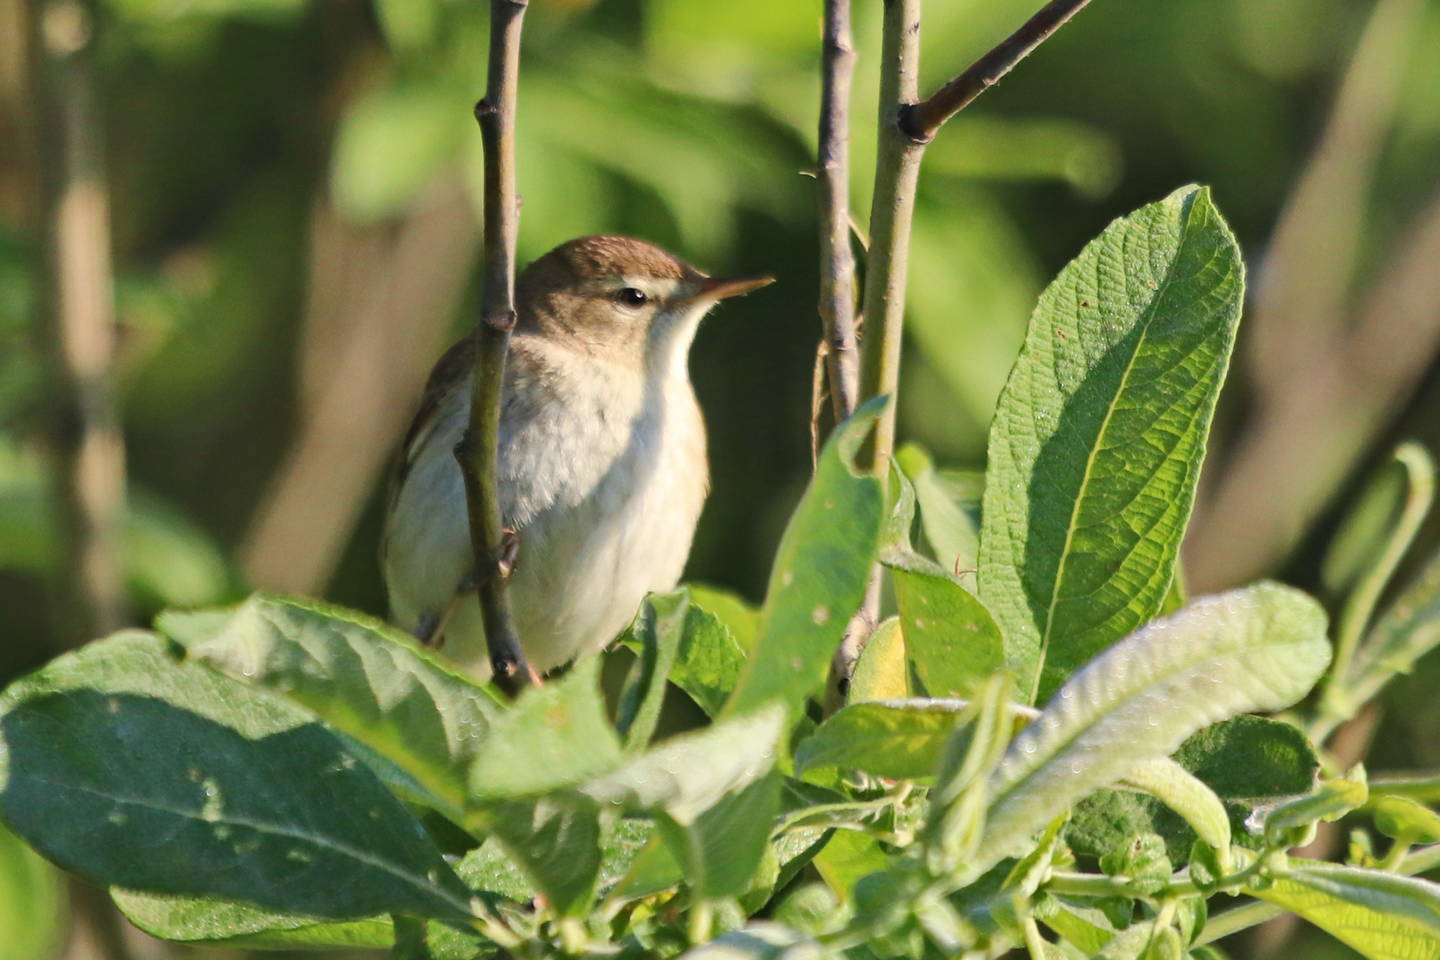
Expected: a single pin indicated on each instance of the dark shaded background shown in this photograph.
(293, 190)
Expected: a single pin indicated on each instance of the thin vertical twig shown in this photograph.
(906, 125)
(78, 296)
(837, 260)
(494, 545)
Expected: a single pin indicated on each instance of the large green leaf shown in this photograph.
(1099, 436)
(819, 576)
(362, 678)
(1081, 923)
(1406, 820)
(32, 902)
(1187, 796)
(1258, 648)
(653, 870)
(490, 868)
(133, 770)
(949, 635)
(968, 762)
(1247, 761)
(654, 636)
(847, 858)
(1381, 915)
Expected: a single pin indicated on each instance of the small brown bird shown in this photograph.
(602, 466)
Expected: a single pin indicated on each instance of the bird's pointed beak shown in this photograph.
(718, 288)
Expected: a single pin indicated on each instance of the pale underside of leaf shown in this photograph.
(1259, 648)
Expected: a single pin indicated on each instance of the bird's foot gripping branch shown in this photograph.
(1067, 761)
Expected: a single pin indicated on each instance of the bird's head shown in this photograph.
(622, 300)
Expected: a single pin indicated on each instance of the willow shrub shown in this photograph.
(1061, 754)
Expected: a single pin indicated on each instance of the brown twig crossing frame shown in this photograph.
(494, 545)
(921, 121)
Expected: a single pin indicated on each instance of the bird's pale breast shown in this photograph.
(604, 486)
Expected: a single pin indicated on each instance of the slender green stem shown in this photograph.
(493, 544)
(1034, 943)
(1233, 921)
(702, 921)
(859, 810)
(1164, 917)
(1395, 856)
(1421, 861)
(1337, 704)
(1098, 885)
(892, 209)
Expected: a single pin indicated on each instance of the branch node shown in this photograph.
(911, 127)
(501, 321)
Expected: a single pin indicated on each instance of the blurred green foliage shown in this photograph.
(229, 122)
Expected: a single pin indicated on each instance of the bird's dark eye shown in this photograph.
(630, 297)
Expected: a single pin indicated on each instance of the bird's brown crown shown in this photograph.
(604, 257)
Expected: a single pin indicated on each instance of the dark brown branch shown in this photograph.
(837, 261)
(921, 121)
(78, 296)
(494, 545)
